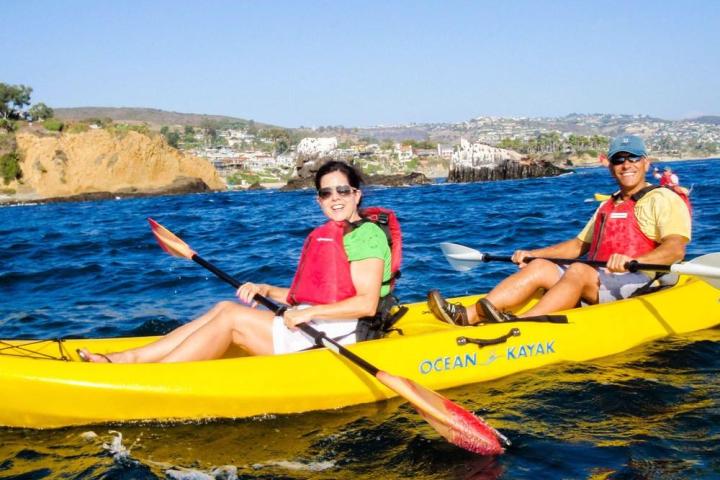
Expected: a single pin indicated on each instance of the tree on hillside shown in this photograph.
(280, 137)
(173, 138)
(40, 111)
(210, 129)
(13, 98)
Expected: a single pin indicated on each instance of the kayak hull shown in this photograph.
(48, 393)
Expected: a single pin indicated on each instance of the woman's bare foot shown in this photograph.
(87, 356)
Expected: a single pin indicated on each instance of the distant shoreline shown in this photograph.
(680, 159)
(35, 199)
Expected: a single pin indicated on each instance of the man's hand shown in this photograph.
(616, 262)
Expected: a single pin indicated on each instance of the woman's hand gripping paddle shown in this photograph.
(706, 267)
(457, 425)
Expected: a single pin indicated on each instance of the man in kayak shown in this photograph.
(345, 269)
(639, 222)
(667, 178)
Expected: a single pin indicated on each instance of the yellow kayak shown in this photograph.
(45, 385)
(601, 197)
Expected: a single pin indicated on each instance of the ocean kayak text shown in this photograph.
(452, 362)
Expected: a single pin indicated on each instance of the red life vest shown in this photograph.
(666, 179)
(323, 273)
(388, 223)
(616, 228)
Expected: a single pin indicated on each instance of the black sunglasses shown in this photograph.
(342, 190)
(616, 160)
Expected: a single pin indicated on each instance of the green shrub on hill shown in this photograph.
(53, 124)
(121, 129)
(10, 167)
(7, 124)
(77, 128)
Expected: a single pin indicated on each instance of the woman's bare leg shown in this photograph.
(220, 314)
(246, 327)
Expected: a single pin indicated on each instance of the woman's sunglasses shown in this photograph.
(620, 160)
(342, 190)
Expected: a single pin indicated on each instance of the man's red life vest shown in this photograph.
(323, 273)
(616, 229)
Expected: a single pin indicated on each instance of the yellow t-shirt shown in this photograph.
(659, 213)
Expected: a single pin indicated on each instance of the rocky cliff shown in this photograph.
(505, 170)
(101, 161)
(480, 162)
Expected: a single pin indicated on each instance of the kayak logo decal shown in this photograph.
(468, 360)
(450, 362)
(530, 350)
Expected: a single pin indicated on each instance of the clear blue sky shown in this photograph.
(317, 63)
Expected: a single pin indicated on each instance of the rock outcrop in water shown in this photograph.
(479, 162)
(102, 164)
(505, 170)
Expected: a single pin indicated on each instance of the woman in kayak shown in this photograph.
(331, 294)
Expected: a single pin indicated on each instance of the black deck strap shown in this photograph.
(394, 317)
(648, 287)
(541, 318)
(484, 342)
(535, 318)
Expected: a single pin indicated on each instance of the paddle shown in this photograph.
(707, 267)
(453, 422)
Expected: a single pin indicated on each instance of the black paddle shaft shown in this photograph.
(631, 266)
(320, 338)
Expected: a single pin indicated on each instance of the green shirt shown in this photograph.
(369, 241)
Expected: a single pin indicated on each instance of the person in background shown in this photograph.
(667, 178)
(344, 273)
(639, 222)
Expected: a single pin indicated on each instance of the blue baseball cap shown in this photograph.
(631, 144)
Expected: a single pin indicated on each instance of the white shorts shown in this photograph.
(288, 341)
(615, 286)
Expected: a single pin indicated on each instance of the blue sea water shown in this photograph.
(94, 270)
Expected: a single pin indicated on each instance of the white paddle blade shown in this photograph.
(706, 267)
(460, 257)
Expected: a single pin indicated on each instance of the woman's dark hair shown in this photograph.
(353, 176)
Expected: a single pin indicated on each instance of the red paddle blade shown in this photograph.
(169, 242)
(453, 422)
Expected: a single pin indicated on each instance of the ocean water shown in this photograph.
(94, 270)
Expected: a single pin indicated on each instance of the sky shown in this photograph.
(313, 63)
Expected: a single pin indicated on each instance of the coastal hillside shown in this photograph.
(154, 117)
(102, 161)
